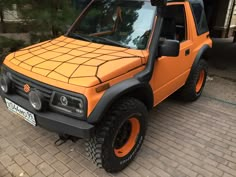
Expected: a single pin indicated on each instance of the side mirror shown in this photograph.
(169, 48)
(159, 2)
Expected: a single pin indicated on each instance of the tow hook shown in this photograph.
(63, 138)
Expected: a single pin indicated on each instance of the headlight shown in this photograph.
(5, 84)
(9, 75)
(35, 100)
(68, 104)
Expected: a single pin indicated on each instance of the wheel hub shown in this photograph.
(126, 137)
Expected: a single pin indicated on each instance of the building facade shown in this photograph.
(221, 15)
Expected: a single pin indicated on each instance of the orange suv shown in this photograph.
(98, 81)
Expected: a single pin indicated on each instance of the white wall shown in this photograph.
(11, 15)
(233, 21)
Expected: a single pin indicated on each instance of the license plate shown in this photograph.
(28, 116)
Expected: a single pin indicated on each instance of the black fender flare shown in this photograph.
(125, 88)
(199, 57)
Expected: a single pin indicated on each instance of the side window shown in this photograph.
(174, 24)
(200, 18)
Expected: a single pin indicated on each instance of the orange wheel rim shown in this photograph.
(124, 148)
(200, 81)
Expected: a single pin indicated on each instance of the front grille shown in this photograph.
(19, 82)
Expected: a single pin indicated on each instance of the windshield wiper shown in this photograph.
(80, 36)
(109, 41)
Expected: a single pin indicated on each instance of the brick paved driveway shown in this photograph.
(196, 139)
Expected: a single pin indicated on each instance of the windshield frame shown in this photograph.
(73, 26)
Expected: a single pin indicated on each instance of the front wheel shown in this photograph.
(119, 135)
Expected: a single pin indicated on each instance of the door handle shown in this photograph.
(187, 52)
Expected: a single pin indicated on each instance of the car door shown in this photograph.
(170, 73)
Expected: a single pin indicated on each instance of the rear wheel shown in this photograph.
(194, 86)
(119, 136)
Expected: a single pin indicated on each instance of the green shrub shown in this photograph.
(10, 44)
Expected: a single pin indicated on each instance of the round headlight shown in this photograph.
(64, 101)
(35, 100)
(9, 75)
(5, 84)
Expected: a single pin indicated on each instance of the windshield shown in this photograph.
(116, 22)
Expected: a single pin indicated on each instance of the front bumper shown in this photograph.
(54, 121)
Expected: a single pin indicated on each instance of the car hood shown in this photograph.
(74, 61)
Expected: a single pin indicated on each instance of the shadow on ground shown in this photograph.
(222, 59)
(221, 83)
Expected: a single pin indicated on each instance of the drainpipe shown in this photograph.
(230, 20)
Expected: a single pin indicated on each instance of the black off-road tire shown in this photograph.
(102, 148)
(191, 91)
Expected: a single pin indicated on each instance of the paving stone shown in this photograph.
(39, 174)
(63, 157)
(70, 174)
(56, 174)
(29, 142)
(214, 170)
(86, 173)
(52, 149)
(48, 158)
(24, 150)
(30, 169)
(75, 156)
(11, 151)
(8, 175)
(101, 173)
(39, 150)
(160, 172)
(3, 143)
(187, 171)
(168, 161)
(88, 164)
(130, 172)
(4, 172)
(227, 175)
(134, 165)
(60, 167)
(6, 160)
(227, 169)
(20, 159)
(201, 171)
(34, 159)
(16, 170)
(43, 141)
(45, 169)
(75, 167)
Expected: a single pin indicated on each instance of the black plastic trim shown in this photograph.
(127, 87)
(146, 74)
(200, 29)
(199, 57)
